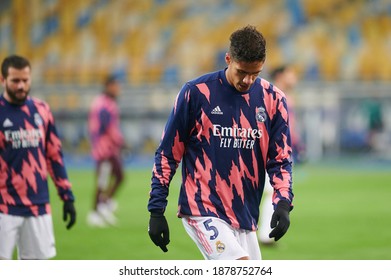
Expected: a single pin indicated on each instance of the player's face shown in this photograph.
(17, 85)
(290, 79)
(114, 89)
(241, 74)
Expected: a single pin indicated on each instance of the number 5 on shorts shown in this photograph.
(211, 228)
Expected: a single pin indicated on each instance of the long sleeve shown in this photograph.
(170, 151)
(279, 164)
(55, 161)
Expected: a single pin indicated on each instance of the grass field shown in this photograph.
(342, 212)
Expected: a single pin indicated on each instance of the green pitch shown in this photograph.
(341, 212)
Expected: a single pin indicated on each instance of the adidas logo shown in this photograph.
(217, 111)
(7, 123)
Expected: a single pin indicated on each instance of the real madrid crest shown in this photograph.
(220, 246)
(37, 119)
(260, 114)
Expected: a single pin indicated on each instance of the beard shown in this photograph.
(17, 96)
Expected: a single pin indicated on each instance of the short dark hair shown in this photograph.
(247, 45)
(14, 61)
(277, 71)
(110, 79)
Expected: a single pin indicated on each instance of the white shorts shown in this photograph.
(32, 236)
(217, 240)
(104, 173)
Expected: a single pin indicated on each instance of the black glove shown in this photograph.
(280, 220)
(69, 210)
(158, 230)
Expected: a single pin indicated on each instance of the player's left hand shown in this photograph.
(69, 211)
(280, 220)
(158, 230)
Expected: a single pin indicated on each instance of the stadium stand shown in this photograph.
(340, 49)
(154, 41)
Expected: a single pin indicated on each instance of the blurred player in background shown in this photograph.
(107, 142)
(29, 150)
(284, 78)
(227, 128)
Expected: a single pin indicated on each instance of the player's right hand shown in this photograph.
(69, 212)
(158, 230)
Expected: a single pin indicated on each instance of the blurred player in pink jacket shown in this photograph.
(106, 144)
(30, 150)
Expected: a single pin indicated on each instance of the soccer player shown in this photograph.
(283, 77)
(29, 149)
(227, 128)
(106, 143)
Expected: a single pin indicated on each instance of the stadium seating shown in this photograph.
(155, 41)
